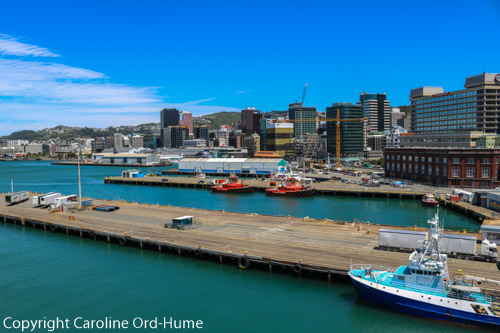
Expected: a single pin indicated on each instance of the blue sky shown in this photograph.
(101, 63)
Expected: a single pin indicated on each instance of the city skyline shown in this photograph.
(118, 64)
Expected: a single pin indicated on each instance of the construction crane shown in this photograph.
(304, 95)
(337, 121)
(337, 134)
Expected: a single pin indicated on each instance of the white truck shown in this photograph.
(460, 246)
(465, 247)
(17, 197)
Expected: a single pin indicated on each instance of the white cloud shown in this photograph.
(243, 91)
(35, 95)
(12, 46)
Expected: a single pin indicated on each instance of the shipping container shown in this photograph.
(404, 239)
(37, 198)
(17, 197)
(48, 199)
(458, 244)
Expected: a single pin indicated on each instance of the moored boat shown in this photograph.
(232, 186)
(429, 200)
(423, 288)
(290, 188)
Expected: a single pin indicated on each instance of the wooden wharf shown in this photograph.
(298, 246)
(324, 188)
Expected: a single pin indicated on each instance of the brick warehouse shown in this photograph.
(464, 167)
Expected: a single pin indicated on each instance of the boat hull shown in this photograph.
(304, 193)
(430, 203)
(233, 190)
(424, 309)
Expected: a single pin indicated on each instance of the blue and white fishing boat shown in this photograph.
(423, 288)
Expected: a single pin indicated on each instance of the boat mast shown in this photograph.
(79, 176)
(11, 185)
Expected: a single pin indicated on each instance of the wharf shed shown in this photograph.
(126, 158)
(253, 166)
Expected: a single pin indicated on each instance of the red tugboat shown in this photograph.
(232, 186)
(290, 188)
(429, 200)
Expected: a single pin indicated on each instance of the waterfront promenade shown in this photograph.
(306, 246)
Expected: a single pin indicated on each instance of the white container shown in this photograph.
(403, 239)
(458, 244)
(49, 199)
(17, 197)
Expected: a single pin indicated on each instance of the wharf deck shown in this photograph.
(466, 208)
(324, 188)
(326, 247)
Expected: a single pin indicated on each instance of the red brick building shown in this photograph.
(461, 167)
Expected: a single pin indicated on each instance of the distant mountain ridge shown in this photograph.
(68, 133)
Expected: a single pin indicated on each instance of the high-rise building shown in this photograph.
(473, 109)
(137, 141)
(397, 117)
(352, 133)
(278, 135)
(118, 140)
(186, 119)
(201, 132)
(304, 118)
(252, 143)
(149, 141)
(178, 134)
(377, 109)
(250, 120)
(169, 117)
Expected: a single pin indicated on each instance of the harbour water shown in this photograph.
(42, 177)
(54, 275)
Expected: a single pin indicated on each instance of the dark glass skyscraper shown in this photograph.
(169, 117)
(352, 133)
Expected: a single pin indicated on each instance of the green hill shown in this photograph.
(214, 120)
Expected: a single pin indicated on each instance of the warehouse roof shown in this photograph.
(232, 160)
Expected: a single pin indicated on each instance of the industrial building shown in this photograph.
(126, 158)
(242, 166)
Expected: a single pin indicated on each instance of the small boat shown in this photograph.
(290, 188)
(429, 200)
(423, 288)
(232, 186)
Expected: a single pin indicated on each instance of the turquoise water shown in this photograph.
(54, 275)
(42, 177)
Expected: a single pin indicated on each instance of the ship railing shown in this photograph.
(372, 267)
(474, 297)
